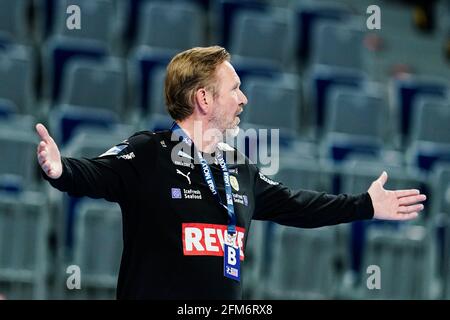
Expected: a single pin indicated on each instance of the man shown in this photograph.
(185, 219)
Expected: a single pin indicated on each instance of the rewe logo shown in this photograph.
(203, 239)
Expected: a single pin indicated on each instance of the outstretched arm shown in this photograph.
(394, 204)
(108, 176)
(311, 209)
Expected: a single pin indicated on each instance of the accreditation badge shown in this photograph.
(231, 261)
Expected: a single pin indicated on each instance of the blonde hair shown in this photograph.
(186, 73)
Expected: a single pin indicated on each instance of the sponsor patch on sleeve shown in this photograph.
(268, 180)
(114, 150)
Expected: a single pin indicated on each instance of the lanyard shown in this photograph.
(209, 179)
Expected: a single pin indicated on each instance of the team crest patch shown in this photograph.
(234, 183)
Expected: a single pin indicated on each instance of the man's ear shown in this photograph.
(203, 100)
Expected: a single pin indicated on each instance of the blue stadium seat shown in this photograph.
(225, 12)
(309, 14)
(338, 147)
(406, 91)
(143, 63)
(320, 80)
(424, 155)
(66, 120)
(249, 67)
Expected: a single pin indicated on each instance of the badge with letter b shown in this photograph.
(231, 261)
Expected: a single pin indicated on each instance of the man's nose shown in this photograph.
(244, 100)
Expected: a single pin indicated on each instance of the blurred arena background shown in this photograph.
(349, 103)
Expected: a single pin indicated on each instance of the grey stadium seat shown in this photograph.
(97, 21)
(273, 104)
(158, 116)
(98, 248)
(406, 259)
(304, 263)
(164, 25)
(430, 120)
(24, 224)
(354, 112)
(265, 36)
(337, 44)
(358, 174)
(156, 99)
(254, 260)
(302, 173)
(440, 188)
(13, 20)
(17, 66)
(96, 85)
(18, 154)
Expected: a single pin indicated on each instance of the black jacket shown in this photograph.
(173, 226)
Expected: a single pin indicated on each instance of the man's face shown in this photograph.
(229, 100)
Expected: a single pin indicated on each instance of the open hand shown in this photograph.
(48, 154)
(394, 204)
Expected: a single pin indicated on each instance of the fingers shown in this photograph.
(46, 167)
(407, 216)
(410, 209)
(41, 152)
(383, 178)
(405, 201)
(406, 193)
(42, 156)
(41, 146)
(42, 131)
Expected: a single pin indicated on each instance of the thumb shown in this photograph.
(42, 131)
(383, 178)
